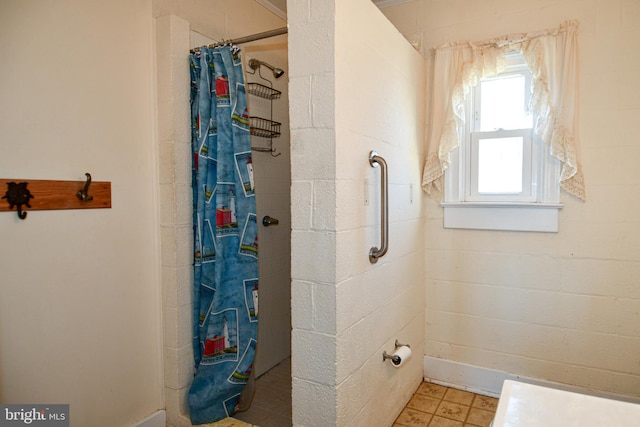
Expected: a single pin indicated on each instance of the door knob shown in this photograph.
(267, 221)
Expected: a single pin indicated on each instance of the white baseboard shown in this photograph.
(489, 382)
(157, 419)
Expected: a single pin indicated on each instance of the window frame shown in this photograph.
(530, 169)
(534, 210)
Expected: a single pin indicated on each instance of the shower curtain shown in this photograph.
(225, 312)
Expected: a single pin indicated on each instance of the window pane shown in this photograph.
(502, 103)
(500, 165)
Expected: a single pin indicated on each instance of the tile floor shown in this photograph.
(432, 405)
(271, 406)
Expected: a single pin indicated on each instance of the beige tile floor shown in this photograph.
(432, 405)
(271, 405)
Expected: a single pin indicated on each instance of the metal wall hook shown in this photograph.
(18, 195)
(84, 193)
(22, 214)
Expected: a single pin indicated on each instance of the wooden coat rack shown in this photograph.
(34, 195)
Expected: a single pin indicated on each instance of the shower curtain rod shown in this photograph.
(247, 39)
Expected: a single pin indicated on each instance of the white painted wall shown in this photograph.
(562, 307)
(175, 24)
(355, 85)
(79, 294)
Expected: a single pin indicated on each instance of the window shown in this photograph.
(492, 163)
(501, 158)
(497, 177)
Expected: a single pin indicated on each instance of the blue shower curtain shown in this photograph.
(225, 314)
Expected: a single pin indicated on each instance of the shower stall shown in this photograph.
(271, 172)
(268, 109)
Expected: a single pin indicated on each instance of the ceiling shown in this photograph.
(279, 7)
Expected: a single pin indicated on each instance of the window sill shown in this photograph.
(540, 217)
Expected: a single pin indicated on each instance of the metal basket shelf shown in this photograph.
(264, 128)
(263, 91)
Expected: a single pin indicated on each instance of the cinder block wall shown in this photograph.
(356, 85)
(562, 307)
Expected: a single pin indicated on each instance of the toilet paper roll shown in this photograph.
(403, 354)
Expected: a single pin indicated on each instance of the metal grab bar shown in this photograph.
(375, 253)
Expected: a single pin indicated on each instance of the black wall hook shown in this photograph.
(18, 195)
(84, 193)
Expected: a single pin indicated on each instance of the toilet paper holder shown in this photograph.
(394, 358)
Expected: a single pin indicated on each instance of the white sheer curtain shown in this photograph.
(552, 56)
